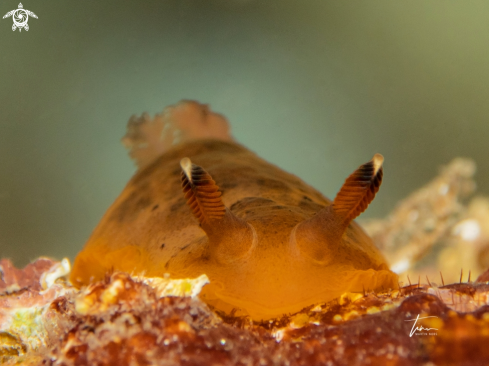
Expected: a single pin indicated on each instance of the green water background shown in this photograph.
(316, 87)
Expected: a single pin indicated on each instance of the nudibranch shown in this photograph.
(200, 203)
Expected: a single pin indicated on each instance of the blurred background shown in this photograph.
(316, 87)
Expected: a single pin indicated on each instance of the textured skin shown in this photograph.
(150, 229)
(259, 260)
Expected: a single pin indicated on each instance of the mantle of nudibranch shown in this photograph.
(269, 243)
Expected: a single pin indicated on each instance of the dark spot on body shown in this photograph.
(155, 207)
(143, 202)
(273, 184)
(308, 204)
(162, 246)
(167, 264)
(185, 247)
(177, 205)
(276, 207)
(139, 199)
(177, 171)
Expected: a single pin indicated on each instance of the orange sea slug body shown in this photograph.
(202, 204)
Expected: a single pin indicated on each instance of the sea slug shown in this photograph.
(200, 203)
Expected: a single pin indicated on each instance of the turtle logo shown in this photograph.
(20, 17)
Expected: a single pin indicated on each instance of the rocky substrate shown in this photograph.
(138, 321)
